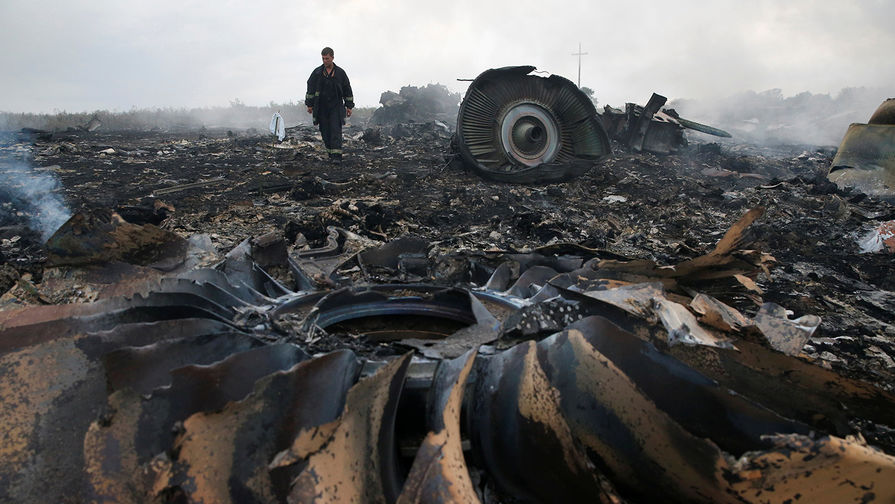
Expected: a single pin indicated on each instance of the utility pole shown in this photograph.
(579, 54)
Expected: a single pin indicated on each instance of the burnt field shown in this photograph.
(666, 209)
(758, 229)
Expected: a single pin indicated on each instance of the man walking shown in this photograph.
(329, 99)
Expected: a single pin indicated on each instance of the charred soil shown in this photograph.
(417, 230)
(634, 205)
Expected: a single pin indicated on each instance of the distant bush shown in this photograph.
(236, 116)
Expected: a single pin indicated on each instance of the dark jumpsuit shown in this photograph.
(329, 93)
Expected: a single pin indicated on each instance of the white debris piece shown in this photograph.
(880, 239)
(615, 199)
(277, 126)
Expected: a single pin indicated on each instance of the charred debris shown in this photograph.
(866, 157)
(228, 318)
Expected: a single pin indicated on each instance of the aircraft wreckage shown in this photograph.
(866, 157)
(560, 375)
(514, 126)
(517, 127)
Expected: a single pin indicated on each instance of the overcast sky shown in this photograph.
(81, 56)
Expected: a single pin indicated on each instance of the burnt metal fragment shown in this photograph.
(660, 134)
(519, 434)
(54, 385)
(32, 327)
(233, 455)
(147, 427)
(884, 114)
(791, 387)
(439, 473)
(733, 422)
(652, 128)
(317, 267)
(189, 392)
(405, 256)
(357, 461)
(599, 402)
(866, 156)
(146, 368)
(222, 281)
(516, 127)
(542, 318)
(240, 268)
(785, 335)
(49, 394)
(102, 236)
(407, 300)
(483, 331)
(439, 322)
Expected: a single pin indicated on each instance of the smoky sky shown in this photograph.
(80, 56)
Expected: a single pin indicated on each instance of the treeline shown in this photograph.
(235, 116)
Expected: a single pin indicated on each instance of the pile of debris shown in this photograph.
(651, 128)
(412, 104)
(561, 358)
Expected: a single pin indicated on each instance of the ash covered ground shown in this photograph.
(404, 180)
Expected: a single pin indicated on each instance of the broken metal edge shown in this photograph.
(866, 160)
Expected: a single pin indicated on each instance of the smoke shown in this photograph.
(28, 197)
(769, 118)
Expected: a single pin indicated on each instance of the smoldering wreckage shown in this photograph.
(229, 318)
